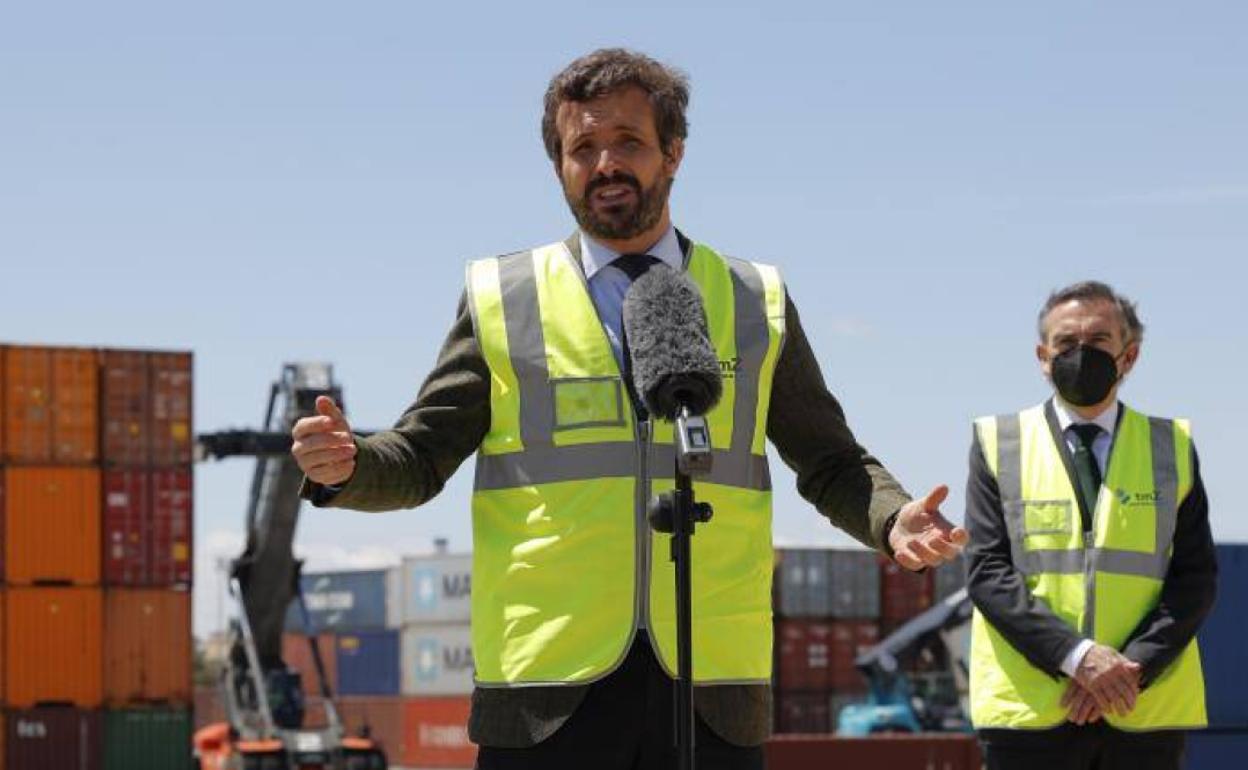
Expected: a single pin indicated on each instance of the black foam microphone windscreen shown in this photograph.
(674, 363)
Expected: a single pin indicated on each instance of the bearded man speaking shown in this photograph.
(573, 626)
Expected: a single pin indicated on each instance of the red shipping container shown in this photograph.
(382, 715)
(125, 408)
(803, 650)
(172, 501)
(297, 653)
(127, 523)
(54, 739)
(171, 409)
(802, 712)
(927, 750)
(436, 733)
(903, 594)
(147, 527)
(847, 640)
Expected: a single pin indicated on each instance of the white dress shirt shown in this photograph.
(1108, 421)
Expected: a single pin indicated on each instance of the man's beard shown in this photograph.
(620, 222)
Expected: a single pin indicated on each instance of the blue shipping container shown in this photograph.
(345, 601)
(1215, 751)
(1222, 641)
(368, 663)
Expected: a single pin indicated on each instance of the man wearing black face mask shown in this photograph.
(1091, 562)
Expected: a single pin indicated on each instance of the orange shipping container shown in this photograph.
(147, 647)
(4, 408)
(51, 405)
(2, 598)
(435, 733)
(52, 525)
(52, 646)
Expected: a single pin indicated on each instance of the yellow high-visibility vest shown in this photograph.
(565, 566)
(1103, 587)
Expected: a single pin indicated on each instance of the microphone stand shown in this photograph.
(677, 513)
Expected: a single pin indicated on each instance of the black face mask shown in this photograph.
(1084, 375)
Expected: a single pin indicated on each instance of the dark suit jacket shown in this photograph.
(407, 465)
(1000, 592)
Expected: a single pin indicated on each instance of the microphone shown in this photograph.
(674, 363)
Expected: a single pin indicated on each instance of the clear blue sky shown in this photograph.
(264, 182)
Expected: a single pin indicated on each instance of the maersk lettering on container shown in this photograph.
(437, 660)
(437, 589)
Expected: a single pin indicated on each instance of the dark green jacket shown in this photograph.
(409, 464)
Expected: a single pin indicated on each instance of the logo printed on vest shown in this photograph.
(1137, 499)
(730, 367)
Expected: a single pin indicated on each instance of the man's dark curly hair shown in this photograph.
(608, 70)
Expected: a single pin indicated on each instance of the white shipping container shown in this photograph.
(436, 589)
(437, 660)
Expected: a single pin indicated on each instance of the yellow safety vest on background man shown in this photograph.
(564, 563)
(1103, 587)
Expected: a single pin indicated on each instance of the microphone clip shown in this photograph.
(693, 444)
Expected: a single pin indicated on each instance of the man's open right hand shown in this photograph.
(324, 447)
(1111, 678)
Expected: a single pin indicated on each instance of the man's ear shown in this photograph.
(672, 157)
(1129, 357)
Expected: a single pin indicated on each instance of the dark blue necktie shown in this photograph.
(634, 266)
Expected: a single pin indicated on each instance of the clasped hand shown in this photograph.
(1106, 681)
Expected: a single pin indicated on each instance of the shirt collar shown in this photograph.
(595, 256)
(1106, 420)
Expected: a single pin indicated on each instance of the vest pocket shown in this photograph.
(585, 402)
(1042, 524)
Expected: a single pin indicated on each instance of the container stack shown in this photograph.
(96, 496)
(354, 616)
(397, 652)
(827, 606)
(437, 663)
(904, 594)
(1226, 678)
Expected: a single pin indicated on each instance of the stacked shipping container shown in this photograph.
(831, 605)
(397, 653)
(95, 452)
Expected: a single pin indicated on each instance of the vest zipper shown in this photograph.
(1089, 579)
(642, 604)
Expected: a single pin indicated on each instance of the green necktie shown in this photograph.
(1088, 473)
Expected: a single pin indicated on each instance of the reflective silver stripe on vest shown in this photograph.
(1166, 477)
(541, 462)
(523, 320)
(1010, 482)
(1072, 561)
(751, 329)
(728, 468)
(553, 464)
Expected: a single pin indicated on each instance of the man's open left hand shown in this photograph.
(922, 537)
